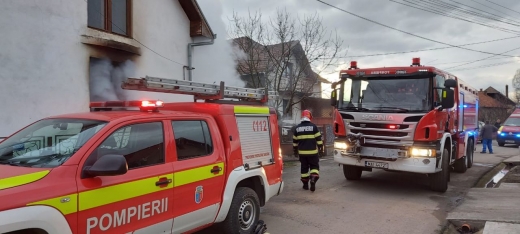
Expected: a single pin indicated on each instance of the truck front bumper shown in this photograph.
(421, 165)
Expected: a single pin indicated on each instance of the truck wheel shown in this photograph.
(439, 180)
(352, 172)
(470, 152)
(244, 212)
(461, 164)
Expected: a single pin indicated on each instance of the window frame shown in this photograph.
(89, 161)
(108, 19)
(210, 153)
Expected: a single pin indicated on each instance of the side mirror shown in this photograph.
(450, 83)
(108, 165)
(448, 98)
(333, 98)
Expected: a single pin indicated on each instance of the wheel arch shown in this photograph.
(445, 143)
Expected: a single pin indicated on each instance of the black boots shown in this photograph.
(314, 179)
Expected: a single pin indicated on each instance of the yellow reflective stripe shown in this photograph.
(14, 181)
(103, 196)
(308, 151)
(320, 142)
(317, 134)
(315, 171)
(301, 137)
(197, 174)
(251, 110)
(295, 144)
(294, 137)
(68, 205)
(305, 175)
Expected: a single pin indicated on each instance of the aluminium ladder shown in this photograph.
(199, 90)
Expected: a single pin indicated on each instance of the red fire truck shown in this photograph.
(414, 118)
(145, 166)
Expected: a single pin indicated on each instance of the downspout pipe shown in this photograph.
(190, 53)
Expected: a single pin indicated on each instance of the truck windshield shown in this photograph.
(386, 94)
(47, 143)
(512, 122)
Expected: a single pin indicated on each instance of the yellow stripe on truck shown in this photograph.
(120, 192)
(66, 204)
(111, 194)
(22, 179)
(251, 110)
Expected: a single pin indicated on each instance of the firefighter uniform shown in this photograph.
(307, 144)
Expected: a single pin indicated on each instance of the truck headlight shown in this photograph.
(340, 145)
(417, 152)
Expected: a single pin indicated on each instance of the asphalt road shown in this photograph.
(381, 202)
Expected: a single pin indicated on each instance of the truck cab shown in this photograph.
(141, 167)
(413, 119)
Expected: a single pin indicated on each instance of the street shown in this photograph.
(381, 202)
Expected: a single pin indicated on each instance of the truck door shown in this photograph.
(140, 200)
(199, 173)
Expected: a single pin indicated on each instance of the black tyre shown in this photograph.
(471, 150)
(243, 214)
(439, 180)
(461, 164)
(501, 143)
(352, 172)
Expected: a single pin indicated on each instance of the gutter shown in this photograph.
(190, 53)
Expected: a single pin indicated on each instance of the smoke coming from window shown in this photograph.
(105, 79)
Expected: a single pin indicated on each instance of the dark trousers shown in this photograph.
(488, 143)
(310, 164)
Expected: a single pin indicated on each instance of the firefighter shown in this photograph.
(307, 145)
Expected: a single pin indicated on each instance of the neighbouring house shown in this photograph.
(57, 56)
(285, 68)
(494, 105)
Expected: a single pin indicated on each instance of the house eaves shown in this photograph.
(199, 26)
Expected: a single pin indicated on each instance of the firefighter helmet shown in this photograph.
(307, 114)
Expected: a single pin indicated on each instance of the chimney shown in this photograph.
(480, 90)
(507, 91)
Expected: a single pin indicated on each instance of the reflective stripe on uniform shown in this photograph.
(305, 175)
(14, 181)
(251, 110)
(319, 142)
(314, 171)
(301, 137)
(120, 192)
(307, 151)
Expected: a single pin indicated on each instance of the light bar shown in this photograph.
(144, 105)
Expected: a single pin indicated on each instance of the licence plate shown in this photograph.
(376, 164)
(510, 141)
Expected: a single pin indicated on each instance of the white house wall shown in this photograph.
(45, 66)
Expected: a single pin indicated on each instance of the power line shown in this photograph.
(133, 38)
(478, 60)
(408, 33)
(503, 7)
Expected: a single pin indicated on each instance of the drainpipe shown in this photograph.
(190, 53)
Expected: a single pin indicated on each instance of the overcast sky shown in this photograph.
(365, 38)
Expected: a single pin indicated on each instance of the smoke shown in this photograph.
(105, 80)
(215, 63)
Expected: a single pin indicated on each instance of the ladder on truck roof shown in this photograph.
(200, 91)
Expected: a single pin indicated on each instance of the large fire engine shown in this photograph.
(414, 118)
(145, 166)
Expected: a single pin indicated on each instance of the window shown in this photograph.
(192, 139)
(112, 16)
(439, 83)
(141, 144)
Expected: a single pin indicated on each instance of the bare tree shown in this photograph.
(281, 52)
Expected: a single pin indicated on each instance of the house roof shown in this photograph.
(198, 24)
(258, 56)
(497, 95)
(487, 101)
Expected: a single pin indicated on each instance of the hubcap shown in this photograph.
(246, 214)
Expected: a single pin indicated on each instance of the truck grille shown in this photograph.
(380, 135)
